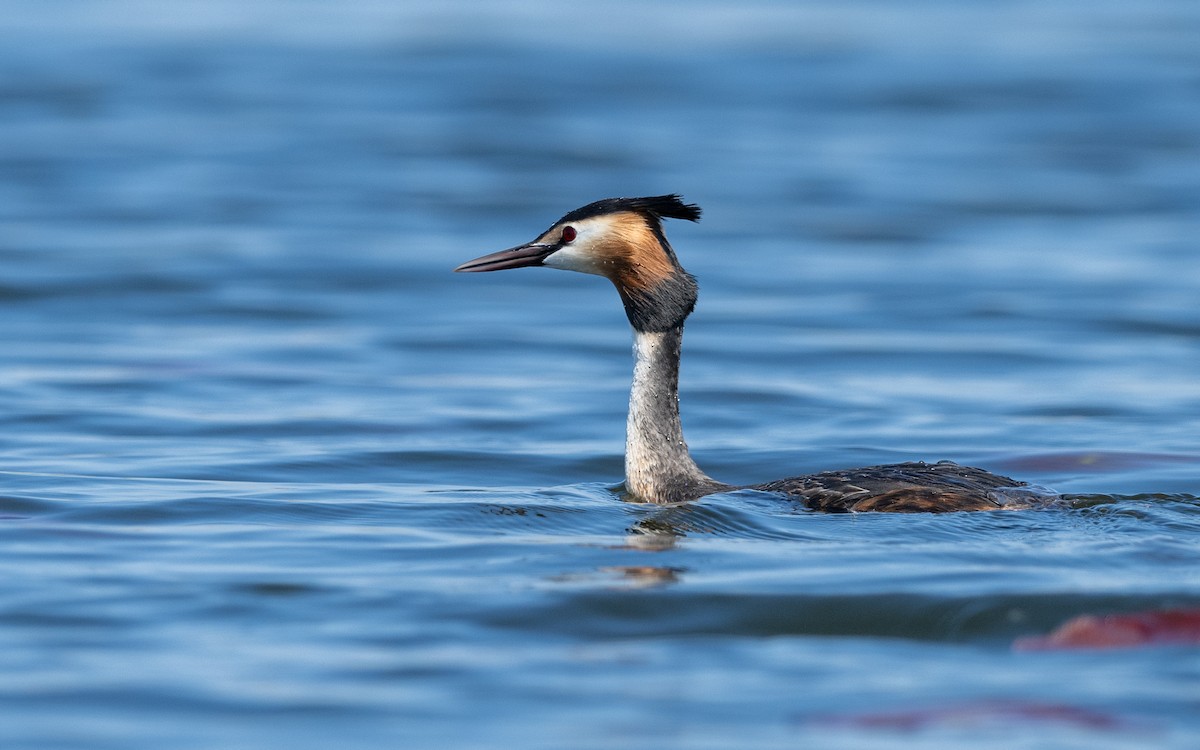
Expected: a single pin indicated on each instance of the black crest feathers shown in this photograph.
(658, 206)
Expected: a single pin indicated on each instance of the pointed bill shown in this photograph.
(516, 257)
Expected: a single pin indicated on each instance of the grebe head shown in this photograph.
(621, 239)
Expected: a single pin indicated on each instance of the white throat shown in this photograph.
(658, 466)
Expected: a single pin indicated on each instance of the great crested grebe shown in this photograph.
(622, 239)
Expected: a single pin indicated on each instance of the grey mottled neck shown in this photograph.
(658, 467)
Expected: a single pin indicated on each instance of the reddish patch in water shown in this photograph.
(1167, 627)
(1094, 462)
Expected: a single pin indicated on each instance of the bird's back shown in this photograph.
(915, 487)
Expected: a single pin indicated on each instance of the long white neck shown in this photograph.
(658, 467)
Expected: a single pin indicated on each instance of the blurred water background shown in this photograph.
(272, 476)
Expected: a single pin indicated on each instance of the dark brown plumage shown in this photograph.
(915, 487)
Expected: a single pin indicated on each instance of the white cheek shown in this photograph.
(574, 257)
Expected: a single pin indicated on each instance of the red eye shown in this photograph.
(568, 234)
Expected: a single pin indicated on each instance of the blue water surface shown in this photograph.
(272, 476)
